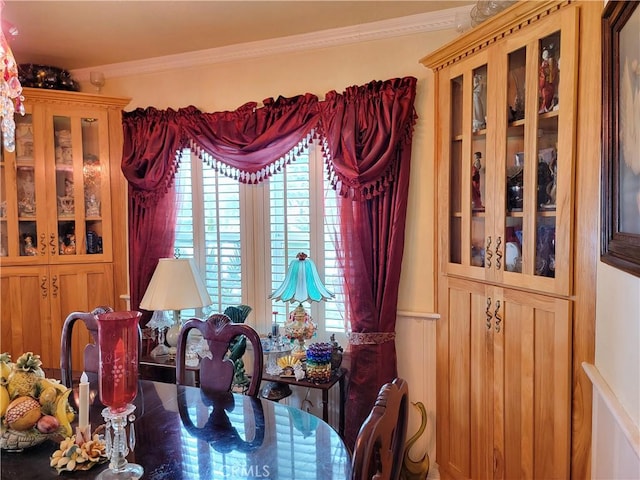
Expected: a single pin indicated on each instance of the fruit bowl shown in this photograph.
(16, 441)
(32, 408)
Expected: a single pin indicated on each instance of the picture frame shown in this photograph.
(620, 196)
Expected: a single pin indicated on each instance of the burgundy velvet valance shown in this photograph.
(251, 143)
(364, 127)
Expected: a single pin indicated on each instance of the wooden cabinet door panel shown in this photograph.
(464, 387)
(24, 310)
(504, 395)
(533, 387)
(80, 288)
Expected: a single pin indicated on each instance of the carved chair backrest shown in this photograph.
(90, 356)
(379, 446)
(217, 372)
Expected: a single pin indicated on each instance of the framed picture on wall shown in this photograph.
(620, 244)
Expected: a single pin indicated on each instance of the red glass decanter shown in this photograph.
(118, 384)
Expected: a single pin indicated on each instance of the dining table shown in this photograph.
(184, 433)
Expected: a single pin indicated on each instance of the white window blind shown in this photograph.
(243, 237)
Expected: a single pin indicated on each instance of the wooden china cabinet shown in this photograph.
(517, 152)
(62, 219)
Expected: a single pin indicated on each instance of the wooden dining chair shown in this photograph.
(217, 372)
(380, 442)
(90, 356)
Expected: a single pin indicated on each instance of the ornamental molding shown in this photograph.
(509, 21)
(397, 27)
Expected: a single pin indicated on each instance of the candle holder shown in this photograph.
(118, 385)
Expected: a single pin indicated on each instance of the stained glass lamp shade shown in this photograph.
(301, 284)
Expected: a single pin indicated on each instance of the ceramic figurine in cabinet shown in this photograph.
(479, 111)
(544, 180)
(548, 78)
(66, 203)
(68, 245)
(26, 193)
(29, 248)
(476, 196)
(93, 206)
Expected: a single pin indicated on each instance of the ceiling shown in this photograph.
(81, 34)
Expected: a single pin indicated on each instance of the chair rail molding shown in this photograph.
(418, 315)
(624, 420)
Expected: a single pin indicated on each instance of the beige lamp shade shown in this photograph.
(175, 285)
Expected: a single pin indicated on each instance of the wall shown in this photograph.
(226, 86)
(616, 375)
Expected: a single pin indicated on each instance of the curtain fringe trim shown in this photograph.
(355, 192)
(145, 198)
(246, 176)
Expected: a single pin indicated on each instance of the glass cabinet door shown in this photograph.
(54, 188)
(80, 183)
(509, 151)
(538, 154)
(467, 166)
(22, 197)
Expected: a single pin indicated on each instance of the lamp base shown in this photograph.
(299, 351)
(173, 334)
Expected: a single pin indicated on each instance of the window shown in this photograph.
(243, 237)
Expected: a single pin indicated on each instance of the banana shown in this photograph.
(71, 415)
(45, 383)
(60, 412)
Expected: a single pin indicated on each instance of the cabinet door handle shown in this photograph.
(488, 313)
(54, 285)
(43, 287)
(52, 244)
(498, 253)
(43, 244)
(497, 315)
(488, 251)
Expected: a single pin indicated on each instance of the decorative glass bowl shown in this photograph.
(319, 362)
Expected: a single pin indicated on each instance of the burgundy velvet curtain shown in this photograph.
(369, 131)
(366, 133)
(149, 162)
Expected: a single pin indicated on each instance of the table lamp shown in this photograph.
(175, 285)
(301, 284)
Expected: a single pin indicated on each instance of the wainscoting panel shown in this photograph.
(416, 350)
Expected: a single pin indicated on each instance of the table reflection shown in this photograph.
(219, 431)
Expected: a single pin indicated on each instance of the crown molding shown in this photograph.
(409, 25)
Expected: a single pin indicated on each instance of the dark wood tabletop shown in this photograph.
(183, 434)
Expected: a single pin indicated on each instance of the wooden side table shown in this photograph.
(338, 376)
(163, 369)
